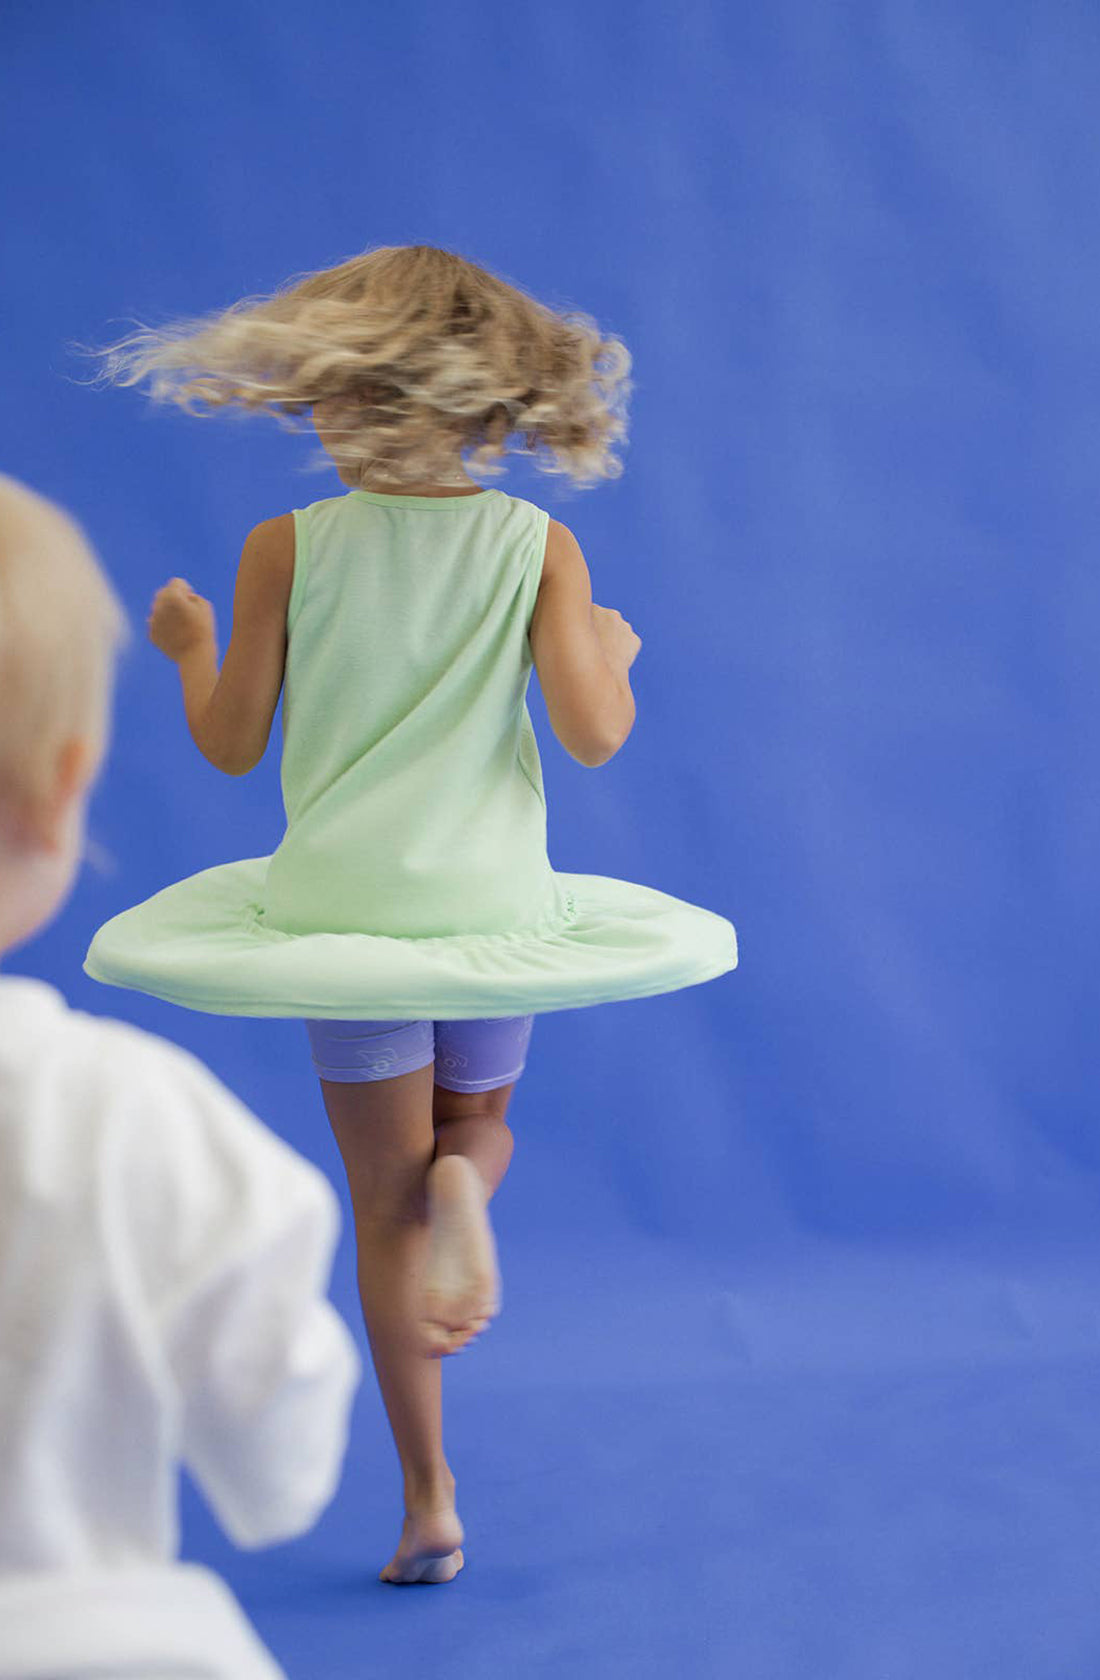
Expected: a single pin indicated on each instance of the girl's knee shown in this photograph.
(470, 1105)
(486, 1121)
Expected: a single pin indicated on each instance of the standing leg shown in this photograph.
(383, 1128)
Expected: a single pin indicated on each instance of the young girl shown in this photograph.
(410, 909)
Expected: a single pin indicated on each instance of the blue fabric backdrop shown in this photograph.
(798, 1369)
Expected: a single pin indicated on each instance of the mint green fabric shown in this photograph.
(413, 878)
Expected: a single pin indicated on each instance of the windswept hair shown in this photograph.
(417, 355)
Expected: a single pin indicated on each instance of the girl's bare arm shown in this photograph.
(230, 714)
(588, 696)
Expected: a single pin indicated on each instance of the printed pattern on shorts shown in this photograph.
(471, 1055)
(505, 1039)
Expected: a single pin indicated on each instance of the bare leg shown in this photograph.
(385, 1135)
(483, 1138)
(473, 1147)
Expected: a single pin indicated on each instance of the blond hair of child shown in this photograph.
(420, 356)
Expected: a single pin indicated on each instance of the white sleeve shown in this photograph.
(237, 1235)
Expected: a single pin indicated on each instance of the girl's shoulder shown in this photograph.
(321, 503)
(331, 510)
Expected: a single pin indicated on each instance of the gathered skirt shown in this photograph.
(203, 943)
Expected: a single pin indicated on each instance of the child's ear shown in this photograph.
(42, 822)
(77, 764)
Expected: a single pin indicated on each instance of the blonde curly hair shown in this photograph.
(417, 356)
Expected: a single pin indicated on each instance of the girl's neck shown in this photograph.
(422, 489)
(464, 487)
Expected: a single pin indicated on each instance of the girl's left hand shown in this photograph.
(179, 619)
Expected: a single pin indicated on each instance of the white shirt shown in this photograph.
(164, 1262)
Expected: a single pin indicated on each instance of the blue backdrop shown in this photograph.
(798, 1368)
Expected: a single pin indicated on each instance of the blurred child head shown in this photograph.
(61, 626)
(407, 357)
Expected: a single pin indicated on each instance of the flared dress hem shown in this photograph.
(201, 944)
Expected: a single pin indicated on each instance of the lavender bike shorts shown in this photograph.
(468, 1055)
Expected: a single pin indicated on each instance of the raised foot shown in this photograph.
(461, 1279)
(429, 1552)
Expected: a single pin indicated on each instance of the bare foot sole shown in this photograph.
(429, 1551)
(462, 1279)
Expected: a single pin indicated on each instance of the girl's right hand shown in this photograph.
(620, 644)
(179, 619)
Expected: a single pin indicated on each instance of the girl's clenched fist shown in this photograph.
(179, 619)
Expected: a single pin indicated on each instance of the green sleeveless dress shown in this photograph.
(412, 880)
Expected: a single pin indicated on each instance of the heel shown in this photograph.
(433, 1571)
